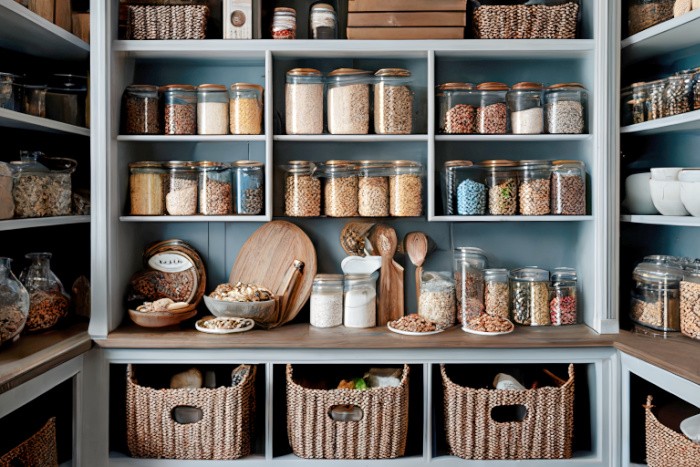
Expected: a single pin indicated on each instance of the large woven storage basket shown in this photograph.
(166, 21)
(37, 450)
(665, 447)
(379, 434)
(222, 433)
(546, 432)
(526, 21)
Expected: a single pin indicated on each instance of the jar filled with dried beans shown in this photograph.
(565, 105)
(534, 187)
(179, 109)
(491, 114)
(657, 99)
(303, 102)
(246, 109)
(181, 188)
(696, 89)
(468, 268)
(563, 297)
(212, 109)
(496, 293)
(406, 189)
(393, 102)
(502, 182)
(214, 188)
(568, 188)
(140, 110)
(340, 188)
(373, 188)
(302, 191)
(348, 101)
(146, 180)
(284, 23)
(248, 184)
(678, 94)
(529, 296)
(457, 106)
(525, 108)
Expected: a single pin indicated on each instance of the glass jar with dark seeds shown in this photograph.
(457, 104)
(568, 188)
(248, 185)
(179, 109)
(140, 110)
(529, 296)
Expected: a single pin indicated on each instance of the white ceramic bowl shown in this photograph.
(690, 197)
(665, 173)
(666, 196)
(638, 194)
(689, 175)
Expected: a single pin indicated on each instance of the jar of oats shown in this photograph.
(179, 109)
(393, 102)
(526, 108)
(406, 189)
(146, 188)
(348, 101)
(496, 293)
(303, 102)
(248, 184)
(534, 187)
(246, 109)
(212, 109)
(339, 188)
(373, 188)
(502, 183)
(181, 188)
(302, 191)
(214, 188)
(529, 296)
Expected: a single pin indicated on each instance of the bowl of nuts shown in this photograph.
(242, 301)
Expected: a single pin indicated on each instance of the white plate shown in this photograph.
(199, 327)
(691, 428)
(483, 333)
(413, 333)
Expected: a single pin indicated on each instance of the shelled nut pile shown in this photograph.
(227, 323)
(241, 292)
(690, 309)
(160, 305)
(413, 323)
(488, 323)
(534, 197)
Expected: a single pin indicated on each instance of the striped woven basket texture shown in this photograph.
(526, 21)
(666, 447)
(167, 21)
(37, 450)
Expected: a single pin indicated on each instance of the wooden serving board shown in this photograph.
(266, 257)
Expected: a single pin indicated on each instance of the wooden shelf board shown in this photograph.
(16, 224)
(672, 35)
(189, 138)
(511, 218)
(689, 121)
(689, 221)
(513, 138)
(21, 121)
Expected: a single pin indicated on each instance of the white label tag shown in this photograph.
(170, 262)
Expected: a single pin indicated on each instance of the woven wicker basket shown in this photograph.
(526, 21)
(380, 434)
(546, 432)
(166, 21)
(223, 432)
(665, 447)
(37, 450)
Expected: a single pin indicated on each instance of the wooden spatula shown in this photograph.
(416, 244)
(391, 303)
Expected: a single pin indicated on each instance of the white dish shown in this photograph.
(638, 194)
(690, 197)
(665, 174)
(483, 333)
(691, 428)
(413, 333)
(361, 264)
(199, 327)
(689, 175)
(666, 196)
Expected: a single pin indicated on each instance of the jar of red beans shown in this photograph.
(562, 297)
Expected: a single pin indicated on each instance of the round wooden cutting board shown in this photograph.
(266, 257)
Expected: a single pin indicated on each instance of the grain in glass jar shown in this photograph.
(406, 189)
(565, 106)
(323, 22)
(457, 104)
(563, 302)
(643, 14)
(140, 110)
(529, 296)
(181, 188)
(179, 109)
(393, 102)
(468, 269)
(214, 188)
(525, 108)
(348, 101)
(284, 23)
(491, 114)
(248, 185)
(502, 183)
(212, 109)
(534, 187)
(690, 301)
(655, 297)
(303, 102)
(146, 193)
(302, 191)
(678, 94)
(340, 188)
(373, 188)
(496, 293)
(568, 188)
(246, 109)
(657, 99)
(326, 304)
(360, 301)
(437, 298)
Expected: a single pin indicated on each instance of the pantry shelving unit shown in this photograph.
(18, 224)
(21, 121)
(687, 122)
(688, 221)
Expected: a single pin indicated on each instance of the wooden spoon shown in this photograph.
(391, 305)
(417, 249)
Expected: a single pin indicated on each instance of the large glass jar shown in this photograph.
(303, 102)
(42, 185)
(323, 22)
(348, 101)
(248, 185)
(360, 301)
(502, 183)
(48, 301)
(393, 102)
(284, 23)
(690, 301)
(437, 298)
(529, 296)
(655, 301)
(534, 187)
(563, 303)
(339, 188)
(496, 293)
(568, 188)
(246, 109)
(212, 109)
(373, 188)
(34, 99)
(146, 194)
(457, 104)
(65, 99)
(643, 14)
(326, 304)
(678, 93)
(450, 182)
(525, 107)
(214, 188)
(179, 109)
(180, 188)
(302, 191)
(565, 108)
(14, 303)
(657, 99)
(140, 107)
(406, 189)
(468, 268)
(491, 115)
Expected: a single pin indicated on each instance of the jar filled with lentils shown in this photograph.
(534, 187)
(248, 187)
(393, 102)
(502, 183)
(468, 268)
(373, 188)
(565, 105)
(246, 109)
(657, 99)
(678, 94)
(302, 191)
(146, 188)
(525, 108)
(496, 293)
(214, 188)
(140, 110)
(406, 189)
(491, 114)
(303, 102)
(562, 297)
(340, 188)
(181, 188)
(212, 109)
(348, 101)
(568, 188)
(529, 296)
(457, 104)
(180, 109)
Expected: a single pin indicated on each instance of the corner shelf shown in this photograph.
(675, 34)
(21, 121)
(686, 122)
(689, 221)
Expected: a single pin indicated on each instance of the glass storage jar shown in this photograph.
(339, 188)
(302, 191)
(34, 99)
(450, 184)
(48, 301)
(656, 99)
(214, 187)
(637, 104)
(180, 188)
(65, 99)
(678, 94)
(655, 300)
(496, 293)
(534, 187)
(568, 188)
(468, 268)
(696, 89)
(393, 102)
(348, 101)
(690, 301)
(437, 298)
(525, 108)
(303, 102)
(472, 193)
(42, 185)
(373, 188)
(529, 296)
(246, 109)
(563, 297)
(406, 189)
(140, 107)
(565, 107)
(9, 85)
(326, 304)
(284, 23)
(323, 22)
(146, 193)
(360, 301)
(179, 109)
(248, 185)
(491, 114)
(14, 304)
(212, 109)
(457, 104)
(663, 260)
(502, 183)
(643, 14)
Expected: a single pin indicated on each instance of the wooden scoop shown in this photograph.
(391, 305)
(417, 249)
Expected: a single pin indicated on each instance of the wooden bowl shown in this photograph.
(262, 311)
(160, 319)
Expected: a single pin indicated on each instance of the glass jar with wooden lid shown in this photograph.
(393, 102)
(179, 109)
(214, 188)
(525, 108)
(302, 191)
(491, 114)
(373, 188)
(249, 189)
(303, 102)
(181, 185)
(457, 104)
(339, 188)
(502, 182)
(212, 109)
(348, 101)
(568, 188)
(406, 189)
(246, 108)
(146, 180)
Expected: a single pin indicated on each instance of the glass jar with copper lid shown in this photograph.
(348, 101)
(140, 110)
(146, 180)
(568, 188)
(565, 106)
(534, 187)
(491, 114)
(525, 108)
(393, 102)
(181, 192)
(302, 191)
(406, 189)
(212, 109)
(373, 188)
(502, 183)
(457, 104)
(214, 188)
(248, 185)
(180, 109)
(323, 22)
(339, 188)
(303, 102)
(246, 109)
(284, 23)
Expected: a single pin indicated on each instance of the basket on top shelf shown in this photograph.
(38, 449)
(550, 19)
(161, 21)
(666, 447)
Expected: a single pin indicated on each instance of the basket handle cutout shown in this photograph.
(509, 413)
(186, 414)
(346, 413)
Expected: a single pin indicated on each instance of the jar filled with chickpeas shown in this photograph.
(406, 189)
(340, 188)
(302, 191)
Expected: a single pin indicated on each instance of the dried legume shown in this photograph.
(215, 198)
(141, 115)
(502, 198)
(690, 309)
(568, 195)
(491, 119)
(460, 120)
(563, 310)
(534, 197)
(180, 119)
(471, 198)
(413, 323)
(564, 117)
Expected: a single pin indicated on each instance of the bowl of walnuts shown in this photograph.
(242, 301)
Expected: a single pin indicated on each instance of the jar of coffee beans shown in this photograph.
(140, 110)
(179, 109)
(248, 184)
(502, 183)
(214, 188)
(534, 187)
(565, 105)
(491, 114)
(525, 108)
(568, 188)
(302, 191)
(562, 297)
(529, 296)
(457, 104)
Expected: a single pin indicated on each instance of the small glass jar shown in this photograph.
(643, 14)
(248, 185)
(360, 301)
(696, 89)
(678, 94)
(529, 296)
(140, 108)
(525, 108)
(437, 298)
(8, 90)
(496, 293)
(492, 114)
(212, 109)
(502, 183)
(180, 188)
(246, 109)
(146, 193)
(339, 188)
(690, 301)
(393, 102)
(323, 22)
(655, 300)
(34, 99)
(48, 301)
(348, 101)
(565, 108)
(303, 102)
(326, 304)
(534, 187)
(43, 186)
(457, 104)
(14, 304)
(284, 23)
(450, 183)
(563, 303)
(179, 109)
(373, 188)
(626, 107)
(656, 99)
(406, 189)
(302, 191)
(639, 103)
(468, 268)
(214, 188)
(568, 188)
